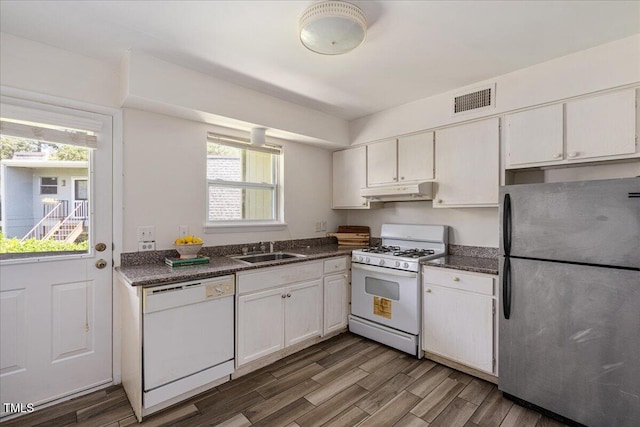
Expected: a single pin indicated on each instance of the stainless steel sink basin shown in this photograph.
(273, 256)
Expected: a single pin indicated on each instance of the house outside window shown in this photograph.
(243, 187)
(48, 185)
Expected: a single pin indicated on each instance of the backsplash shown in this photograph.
(474, 251)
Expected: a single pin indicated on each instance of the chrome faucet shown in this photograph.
(271, 246)
(262, 246)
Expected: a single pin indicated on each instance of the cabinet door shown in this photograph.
(382, 163)
(534, 136)
(349, 176)
(458, 325)
(415, 157)
(303, 312)
(260, 328)
(602, 126)
(467, 172)
(335, 302)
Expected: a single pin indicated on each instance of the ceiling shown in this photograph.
(413, 49)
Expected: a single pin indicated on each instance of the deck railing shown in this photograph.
(52, 216)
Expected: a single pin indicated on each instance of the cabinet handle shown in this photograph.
(345, 276)
(427, 291)
(394, 178)
(573, 154)
(283, 296)
(557, 156)
(364, 203)
(288, 295)
(456, 279)
(439, 201)
(402, 177)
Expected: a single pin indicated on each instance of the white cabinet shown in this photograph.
(534, 136)
(277, 307)
(602, 126)
(382, 163)
(406, 159)
(467, 165)
(302, 312)
(415, 157)
(260, 324)
(585, 130)
(336, 294)
(349, 176)
(458, 315)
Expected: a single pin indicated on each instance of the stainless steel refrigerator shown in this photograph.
(569, 327)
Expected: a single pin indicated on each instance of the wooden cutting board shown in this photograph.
(352, 235)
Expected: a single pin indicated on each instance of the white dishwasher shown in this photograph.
(187, 337)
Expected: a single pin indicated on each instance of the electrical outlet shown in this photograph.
(324, 226)
(183, 231)
(146, 233)
(146, 246)
(318, 226)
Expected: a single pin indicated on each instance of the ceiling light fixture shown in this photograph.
(332, 27)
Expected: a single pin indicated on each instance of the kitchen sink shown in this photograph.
(273, 256)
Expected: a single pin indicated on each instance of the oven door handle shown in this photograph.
(384, 270)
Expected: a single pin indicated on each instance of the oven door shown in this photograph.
(386, 296)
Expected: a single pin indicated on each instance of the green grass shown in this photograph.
(13, 245)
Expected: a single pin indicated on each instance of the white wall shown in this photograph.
(165, 183)
(469, 226)
(603, 67)
(44, 69)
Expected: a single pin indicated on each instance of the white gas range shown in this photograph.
(385, 284)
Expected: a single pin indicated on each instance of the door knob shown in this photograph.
(101, 247)
(101, 264)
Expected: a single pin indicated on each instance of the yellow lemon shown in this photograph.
(188, 239)
(197, 240)
(179, 241)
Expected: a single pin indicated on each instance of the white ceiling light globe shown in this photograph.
(332, 27)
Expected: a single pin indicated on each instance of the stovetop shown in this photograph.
(397, 251)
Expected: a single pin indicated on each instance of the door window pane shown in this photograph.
(44, 197)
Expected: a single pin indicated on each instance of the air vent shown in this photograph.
(475, 100)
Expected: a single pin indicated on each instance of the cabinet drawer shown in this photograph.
(265, 278)
(455, 279)
(334, 265)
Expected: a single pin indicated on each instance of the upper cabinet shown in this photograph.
(467, 159)
(590, 129)
(349, 176)
(406, 159)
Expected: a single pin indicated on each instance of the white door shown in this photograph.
(303, 312)
(349, 176)
(56, 307)
(602, 126)
(260, 325)
(415, 157)
(458, 325)
(467, 172)
(335, 302)
(382, 163)
(535, 136)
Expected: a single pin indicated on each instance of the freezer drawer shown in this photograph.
(592, 222)
(571, 343)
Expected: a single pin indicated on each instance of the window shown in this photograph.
(48, 185)
(242, 183)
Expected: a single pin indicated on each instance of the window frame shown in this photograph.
(277, 207)
(54, 186)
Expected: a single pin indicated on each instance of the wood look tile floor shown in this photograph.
(345, 381)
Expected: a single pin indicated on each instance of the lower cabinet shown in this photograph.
(458, 315)
(278, 307)
(336, 302)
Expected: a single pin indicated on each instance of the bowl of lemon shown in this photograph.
(188, 246)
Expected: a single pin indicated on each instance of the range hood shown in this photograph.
(399, 192)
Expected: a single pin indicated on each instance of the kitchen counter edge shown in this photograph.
(465, 263)
(160, 274)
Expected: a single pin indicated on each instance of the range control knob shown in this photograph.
(406, 265)
(397, 263)
(381, 262)
(367, 259)
(357, 258)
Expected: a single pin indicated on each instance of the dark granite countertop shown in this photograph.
(466, 263)
(153, 274)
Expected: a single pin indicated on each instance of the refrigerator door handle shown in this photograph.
(506, 288)
(506, 225)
